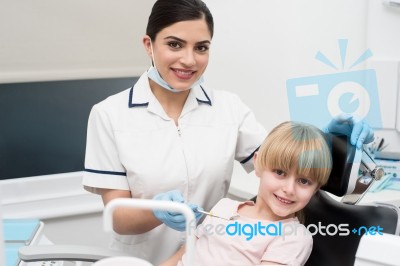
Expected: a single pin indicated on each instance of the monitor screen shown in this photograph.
(43, 124)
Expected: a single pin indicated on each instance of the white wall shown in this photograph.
(384, 40)
(57, 39)
(383, 30)
(258, 46)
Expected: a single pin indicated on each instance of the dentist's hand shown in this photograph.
(359, 131)
(175, 220)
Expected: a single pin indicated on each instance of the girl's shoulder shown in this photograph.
(225, 204)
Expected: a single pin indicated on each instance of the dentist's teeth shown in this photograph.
(184, 72)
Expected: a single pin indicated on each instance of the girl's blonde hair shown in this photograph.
(299, 145)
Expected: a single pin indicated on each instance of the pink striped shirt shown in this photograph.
(247, 241)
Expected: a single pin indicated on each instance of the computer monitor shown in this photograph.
(43, 124)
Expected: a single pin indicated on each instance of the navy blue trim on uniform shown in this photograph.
(104, 172)
(131, 104)
(251, 156)
(208, 98)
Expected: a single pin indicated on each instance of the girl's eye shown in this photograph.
(174, 45)
(279, 172)
(304, 181)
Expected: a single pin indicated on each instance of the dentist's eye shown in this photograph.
(174, 45)
(202, 48)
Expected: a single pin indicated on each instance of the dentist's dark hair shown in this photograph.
(167, 12)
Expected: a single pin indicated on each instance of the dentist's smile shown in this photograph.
(183, 74)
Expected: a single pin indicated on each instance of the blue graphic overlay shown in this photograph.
(317, 99)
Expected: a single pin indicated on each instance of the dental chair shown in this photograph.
(332, 213)
(354, 171)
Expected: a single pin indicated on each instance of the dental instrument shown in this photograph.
(217, 216)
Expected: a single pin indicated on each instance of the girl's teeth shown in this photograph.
(284, 201)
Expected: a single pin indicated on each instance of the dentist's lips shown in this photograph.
(283, 200)
(183, 74)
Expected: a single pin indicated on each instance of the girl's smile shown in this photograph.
(283, 200)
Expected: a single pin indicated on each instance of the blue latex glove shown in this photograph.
(175, 220)
(359, 131)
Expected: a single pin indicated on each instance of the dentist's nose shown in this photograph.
(188, 58)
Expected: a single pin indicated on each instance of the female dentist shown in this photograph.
(170, 138)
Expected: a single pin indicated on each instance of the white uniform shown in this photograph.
(133, 145)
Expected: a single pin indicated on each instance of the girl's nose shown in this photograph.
(289, 186)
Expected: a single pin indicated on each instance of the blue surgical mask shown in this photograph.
(154, 75)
